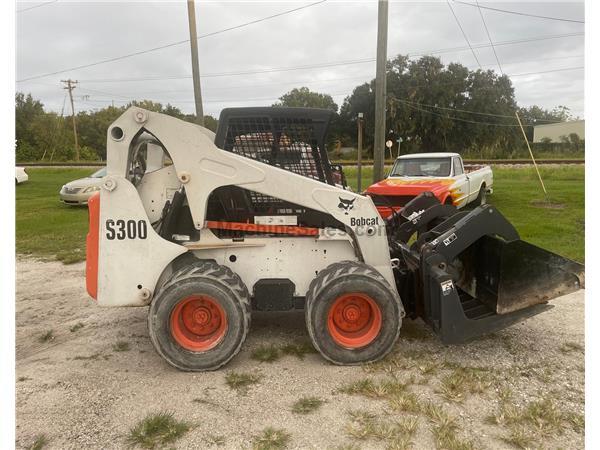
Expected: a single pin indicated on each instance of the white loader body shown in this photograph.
(133, 259)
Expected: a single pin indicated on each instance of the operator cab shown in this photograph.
(430, 165)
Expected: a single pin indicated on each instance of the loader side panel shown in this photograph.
(132, 256)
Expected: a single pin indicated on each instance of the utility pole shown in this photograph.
(70, 85)
(380, 90)
(195, 66)
(359, 155)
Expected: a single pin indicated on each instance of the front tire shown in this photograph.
(200, 317)
(352, 314)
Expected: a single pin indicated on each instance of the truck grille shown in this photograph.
(392, 200)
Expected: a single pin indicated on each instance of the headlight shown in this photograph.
(91, 189)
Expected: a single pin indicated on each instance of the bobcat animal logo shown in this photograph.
(346, 205)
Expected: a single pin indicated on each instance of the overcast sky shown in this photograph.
(63, 34)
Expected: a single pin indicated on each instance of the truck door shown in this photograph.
(460, 189)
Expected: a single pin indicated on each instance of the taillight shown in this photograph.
(92, 245)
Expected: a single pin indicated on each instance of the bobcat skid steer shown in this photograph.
(205, 228)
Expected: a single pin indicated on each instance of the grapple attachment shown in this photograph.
(469, 273)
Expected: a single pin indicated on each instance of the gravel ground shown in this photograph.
(79, 391)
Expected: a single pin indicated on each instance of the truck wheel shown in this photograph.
(482, 197)
(352, 314)
(200, 317)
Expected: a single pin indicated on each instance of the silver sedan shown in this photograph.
(78, 192)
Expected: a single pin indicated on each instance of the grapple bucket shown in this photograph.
(509, 276)
(472, 275)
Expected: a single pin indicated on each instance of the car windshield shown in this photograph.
(421, 167)
(99, 174)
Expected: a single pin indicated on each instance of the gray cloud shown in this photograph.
(67, 34)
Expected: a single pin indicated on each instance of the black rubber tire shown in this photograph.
(340, 278)
(481, 197)
(223, 285)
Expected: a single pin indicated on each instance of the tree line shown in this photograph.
(47, 136)
(430, 106)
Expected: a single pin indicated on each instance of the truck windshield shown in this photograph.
(99, 174)
(421, 167)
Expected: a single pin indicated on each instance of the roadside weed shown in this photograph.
(307, 405)
(156, 430)
(271, 439)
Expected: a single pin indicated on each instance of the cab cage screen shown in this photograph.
(290, 138)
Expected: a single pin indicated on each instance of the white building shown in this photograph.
(554, 131)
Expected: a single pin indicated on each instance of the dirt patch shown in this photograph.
(547, 205)
(98, 377)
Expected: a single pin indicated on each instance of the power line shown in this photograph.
(511, 42)
(313, 81)
(245, 86)
(547, 71)
(561, 19)
(172, 44)
(489, 37)
(463, 33)
(36, 6)
(229, 74)
(214, 100)
(331, 64)
(129, 99)
(321, 65)
(454, 109)
(458, 119)
(466, 110)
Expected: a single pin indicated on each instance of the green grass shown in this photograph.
(569, 347)
(535, 421)
(76, 327)
(121, 346)
(271, 439)
(306, 405)
(215, 439)
(519, 196)
(299, 350)
(39, 442)
(241, 381)
(45, 227)
(562, 231)
(49, 229)
(47, 336)
(266, 353)
(367, 387)
(157, 430)
(456, 385)
(397, 434)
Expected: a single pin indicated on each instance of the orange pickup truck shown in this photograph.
(444, 174)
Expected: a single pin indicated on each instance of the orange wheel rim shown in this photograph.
(354, 320)
(198, 323)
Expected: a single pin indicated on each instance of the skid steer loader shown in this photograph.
(206, 227)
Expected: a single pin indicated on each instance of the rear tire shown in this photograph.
(200, 317)
(481, 197)
(352, 314)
